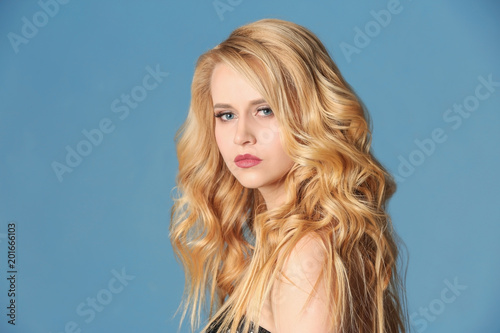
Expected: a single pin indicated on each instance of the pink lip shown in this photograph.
(246, 161)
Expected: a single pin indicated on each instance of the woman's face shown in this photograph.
(247, 133)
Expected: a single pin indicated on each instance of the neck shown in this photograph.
(274, 196)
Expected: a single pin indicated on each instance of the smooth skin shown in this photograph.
(245, 124)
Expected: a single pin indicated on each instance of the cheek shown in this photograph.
(283, 161)
(218, 141)
(276, 145)
(221, 141)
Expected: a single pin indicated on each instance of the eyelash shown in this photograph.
(266, 108)
(221, 114)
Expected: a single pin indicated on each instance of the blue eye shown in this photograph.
(266, 111)
(225, 116)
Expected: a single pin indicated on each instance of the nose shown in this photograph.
(244, 132)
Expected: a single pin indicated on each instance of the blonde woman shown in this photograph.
(280, 219)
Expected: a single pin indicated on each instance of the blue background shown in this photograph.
(112, 211)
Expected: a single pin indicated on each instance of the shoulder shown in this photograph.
(306, 260)
(309, 245)
(299, 296)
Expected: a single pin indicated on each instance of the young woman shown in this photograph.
(280, 219)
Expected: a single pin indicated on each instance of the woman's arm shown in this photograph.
(298, 298)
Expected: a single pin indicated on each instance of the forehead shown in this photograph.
(229, 86)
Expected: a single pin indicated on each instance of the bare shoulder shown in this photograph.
(307, 259)
(309, 245)
(298, 297)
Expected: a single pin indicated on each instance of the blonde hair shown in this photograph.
(231, 247)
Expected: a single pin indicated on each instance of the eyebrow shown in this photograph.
(229, 106)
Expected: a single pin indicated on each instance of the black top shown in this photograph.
(214, 329)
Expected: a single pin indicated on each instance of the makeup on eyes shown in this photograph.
(221, 114)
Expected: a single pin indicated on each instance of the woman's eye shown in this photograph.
(225, 116)
(266, 111)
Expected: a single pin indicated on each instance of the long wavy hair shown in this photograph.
(231, 246)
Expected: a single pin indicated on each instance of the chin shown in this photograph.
(249, 183)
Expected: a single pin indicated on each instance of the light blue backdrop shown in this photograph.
(87, 119)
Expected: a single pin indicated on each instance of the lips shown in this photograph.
(246, 161)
